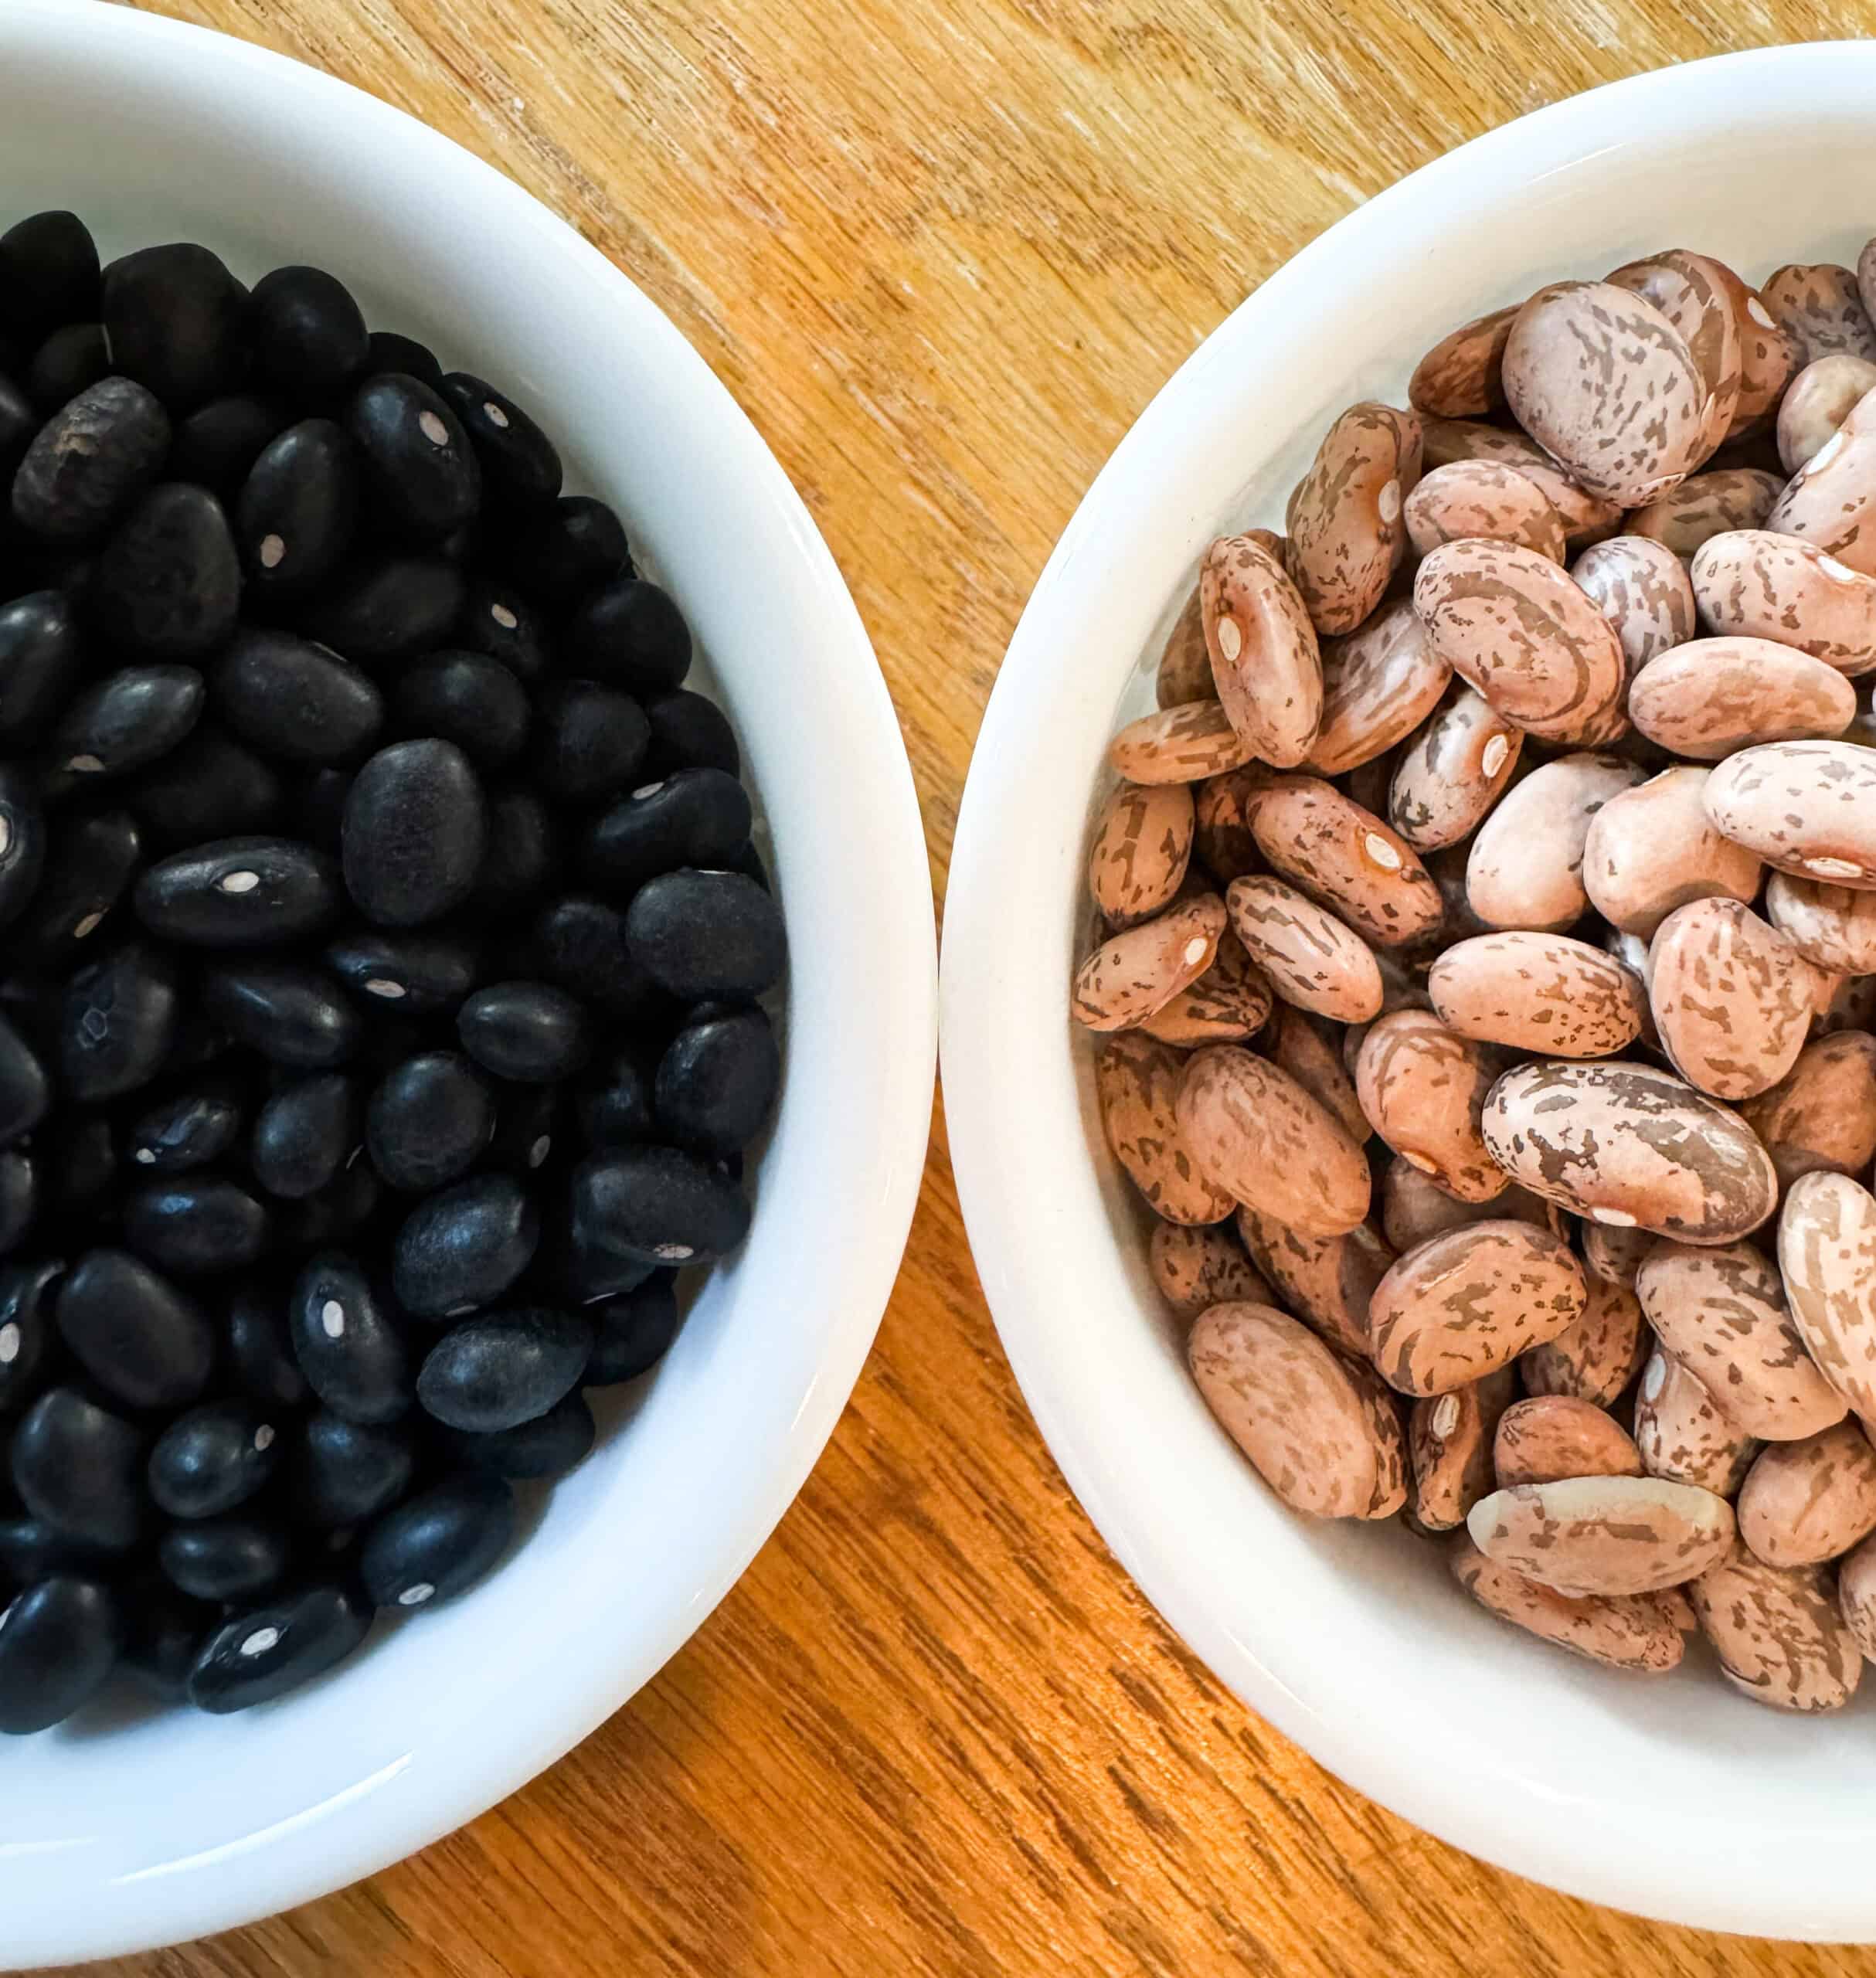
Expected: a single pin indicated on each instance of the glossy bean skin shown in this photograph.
(1539, 993)
(1423, 1088)
(1651, 848)
(1453, 771)
(1379, 683)
(1754, 583)
(1822, 1114)
(1711, 697)
(1642, 589)
(1525, 866)
(1266, 669)
(1346, 534)
(1730, 997)
(1804, 1502)
(1347, 859)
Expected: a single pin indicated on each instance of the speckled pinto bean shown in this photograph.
(1624, 1144)
(1458, 378)
(1615, 1255)
(1137, 1080)
(1831, 500)
(1346, 535)
(1805, 1502)
(1821, 1116)
(1721, 1312)
(1414, 1207)
(1807, 807)
(1856, 1592)
(1525, 869)
(1827, 1258)
(1595, 1358)
(1460, 1306)
(1256, 1133)
(1604, 1534)
(1767, 356)
(1450, 1448)
(1551, 1436)
(1185, 671)
(1453, 770)
(1833, 927)
(1542, 993)
(1326, 1281)
(1817, 305)
(1228, 1003)
(1515, 625)
(1692, 295)
(1143, 840)
(1465, 499)
(1602, 381)
(1311, 959)
(1779, 1632)
(1711, 697)
(1265, 664)
(1347, 859)
(1817, 401)
(1731, 997)
(1636, 1633)
(1585, 516)
(1196, 1267)
(1651, 849)
(1308, 1421)
(1294, 1040)
(1178, 745)
(1705, 506)
(1641, 587)
(1682, 1435)
(1853, 1007)
(1423, 1087)
(1221, 840)
(1131, 975)
(1379, 683)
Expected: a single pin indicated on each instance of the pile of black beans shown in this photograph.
(380, 945)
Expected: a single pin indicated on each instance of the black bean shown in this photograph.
(309, 337)
(81, 1171)
(499, 623)
(19, 1201)
(703, 935)
(217, 446)
(429, 1121)
(90, 460)
(576, 1268)
(547, 1446)
(697, 818)
(528, 1128)
(213, 1458)
(89, 865)
(521, 848)
(631, 634)
(292, 1014)
(295, 700)
(617, 1111)
(267, 1651)
(79, 1468)
(118, 1017)
(463, 1246)
(590, 741)
(297, 509)
(260, 1348)
(19, 422)
(633, 1332)
(22, 841)
(658, 1205)
(689, 732)
(59, 1641)
(439, 1543)
(341, 1213)
(388, 351)
(168, 584)
(349, 1347)
(176, 318)
(520, 465)
(579, 944)
(529, 1032)
(304, 1134)
(413, 833)
(72, 359)
(195, 1225)
(414, 974)
(224, 1559)
(503, 1367)
(27, 1330)
(127, 718)
(210, 786)
(239, 893)
(30, 1549)
(40, 659)
(165, 1632)
(386, 607)
(346, 1473)
(717, 1083)
(48, 274)
(420, 471)
(465, 698)
(192, 1127)
(572, 547)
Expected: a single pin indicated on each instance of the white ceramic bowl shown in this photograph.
(119, 1837)
(1678, 1800)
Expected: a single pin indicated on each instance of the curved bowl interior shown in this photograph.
(120, 1834)
(1679, 1799)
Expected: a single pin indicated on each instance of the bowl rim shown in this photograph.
(888, 1122)
(1066, 649)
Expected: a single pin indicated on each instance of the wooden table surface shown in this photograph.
(943, 251)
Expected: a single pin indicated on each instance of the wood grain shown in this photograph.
(944, 253)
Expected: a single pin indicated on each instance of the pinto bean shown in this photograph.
(1730, 997)
(1817, 305)
(1379, 683)
(1604, 1534)
(1129, 977)
(1525, 869)
(1178, 745)
(1347, 859)
(1817, 401)
(1465, 499)
(1711, 697)
(1198, 1267)
(1347, 534)
(1705, 506)
(1682, 1435)
(1450, 1442)
(1650, 849)
(1779, 1634)
(1137, 1082)
(1453, 771)
(1265, 666)
(1536, 992)
(1641, 586)
(1821, 1116)
(1423, 1087)
(1326, 1281)
(1549, 1437)
(1595, 1356)
(1635, 1632)
(1805, 1502)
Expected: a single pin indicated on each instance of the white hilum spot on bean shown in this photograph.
(1612, 1218)
(540, 1151)
(273, 548)
(332, 1318)
(1231, 640)
(87, 925)
(1838, 572)
(1496, 750)
(647, 790)
(671, 1253)
(495, 416)
(415, 1596)
(1382, 853)
(1760, 313)
(85, 765)
(9, 1344)
(1834, 868)
(239, 882)
(6, 834)
(146, 1157)
(383, 985)
(7, 1610)
(263, 1438)
(433, 429)
(1823, 457)
(1389, 503)
(457, 1311)
(1654, 1378)
(503, 616)
(1445, 1416)
(260, 1641)
(1420, 1161)
(1195, 949)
